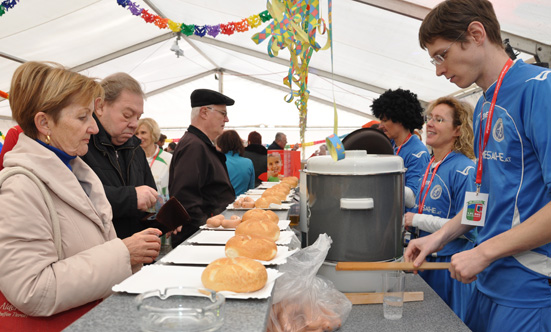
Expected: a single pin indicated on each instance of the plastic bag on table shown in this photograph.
(303, 301)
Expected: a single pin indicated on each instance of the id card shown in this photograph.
(474, 209)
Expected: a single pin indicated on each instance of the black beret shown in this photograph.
(202, 97)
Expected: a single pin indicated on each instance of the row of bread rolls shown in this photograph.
(255, 239)
(292, 180)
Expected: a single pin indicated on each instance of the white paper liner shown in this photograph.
(186, 254)
(208, 237)
(158, 276)
(283, 224)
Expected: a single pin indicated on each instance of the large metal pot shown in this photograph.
(358, 202)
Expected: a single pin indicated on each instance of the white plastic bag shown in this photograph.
(303, 301)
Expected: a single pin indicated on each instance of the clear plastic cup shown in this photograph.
(394, 285)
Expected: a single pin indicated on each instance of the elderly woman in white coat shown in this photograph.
(54, 108)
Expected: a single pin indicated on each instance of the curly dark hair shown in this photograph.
(400, 106)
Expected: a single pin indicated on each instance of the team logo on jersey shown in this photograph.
(541, 76)
(419, 154)
(436, 192)
(465, 171)
(498, 132)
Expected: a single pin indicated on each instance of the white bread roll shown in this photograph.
(252, 247)
(258, 227)
(264, 202)
(240, 275)
(261, 214)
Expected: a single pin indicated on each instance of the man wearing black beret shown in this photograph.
(198, 174)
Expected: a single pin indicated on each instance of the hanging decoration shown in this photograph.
(294, 26)
(229, 28)
(7, 5)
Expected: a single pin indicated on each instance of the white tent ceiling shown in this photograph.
(375, 48)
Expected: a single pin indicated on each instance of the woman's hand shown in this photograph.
(144, 246)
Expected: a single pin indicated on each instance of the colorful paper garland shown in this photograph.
(7, 5)
(294, 26)
(229, 28)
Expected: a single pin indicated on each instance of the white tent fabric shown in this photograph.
(375, 48)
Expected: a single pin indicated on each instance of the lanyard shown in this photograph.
(422, 202)
(482, 146)
(400, 147)
(155, 157)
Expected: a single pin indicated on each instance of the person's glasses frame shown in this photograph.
(438, 59)
(437, 119)
(224, 113)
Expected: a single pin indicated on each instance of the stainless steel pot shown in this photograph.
(358, 202)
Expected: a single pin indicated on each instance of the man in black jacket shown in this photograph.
(198, 174)
(256, 152)
(115, 155)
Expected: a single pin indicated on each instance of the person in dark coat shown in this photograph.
(115, 155)
(256, 152)
(198, 174)
(279, 142)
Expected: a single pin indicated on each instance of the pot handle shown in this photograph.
(356, 203)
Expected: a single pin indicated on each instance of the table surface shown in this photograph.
(119, 312)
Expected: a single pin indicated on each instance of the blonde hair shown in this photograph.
(462, 118)
(48, 87)
(153, 128)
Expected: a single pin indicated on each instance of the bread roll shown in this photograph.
(254, 247)
(261, 214)
(281, 196)
(292, 180)
(258, 227)
(215, 221)
(240, 275)
(264, 202)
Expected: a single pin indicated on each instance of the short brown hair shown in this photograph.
(462, 118)
(47, 87)
(114, 84)
(451, 18)
(255, 137)
(229, 140)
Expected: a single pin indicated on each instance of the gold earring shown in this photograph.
(47, 139)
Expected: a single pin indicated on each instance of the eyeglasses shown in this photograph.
(438, 59)
(438, 119)
(224, 113)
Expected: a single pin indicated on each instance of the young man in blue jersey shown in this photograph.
(511, 259)
(400, 114)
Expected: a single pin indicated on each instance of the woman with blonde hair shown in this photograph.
(159, 160)
(59, 247)
(441, 192)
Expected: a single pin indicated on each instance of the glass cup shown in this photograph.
(394, 284)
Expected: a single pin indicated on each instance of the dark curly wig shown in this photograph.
(400, 106)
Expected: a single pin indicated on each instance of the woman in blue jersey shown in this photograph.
(400, 114)
(442, 189)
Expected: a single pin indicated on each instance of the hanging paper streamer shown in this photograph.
(3, 94)
(7, 5)
(229, 28)
(294, 26)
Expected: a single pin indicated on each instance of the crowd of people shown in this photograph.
(84, 175)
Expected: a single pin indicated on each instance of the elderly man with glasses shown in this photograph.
(198, 174)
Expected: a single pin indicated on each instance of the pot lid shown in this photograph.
(356, 162)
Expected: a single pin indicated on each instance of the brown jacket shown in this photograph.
(31, 276)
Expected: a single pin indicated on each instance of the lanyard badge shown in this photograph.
(476, 203)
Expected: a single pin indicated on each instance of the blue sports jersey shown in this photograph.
(454, 177)
(416, 159)
(517, 176)
(444, 199)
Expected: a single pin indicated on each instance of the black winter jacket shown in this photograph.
(120, 190)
